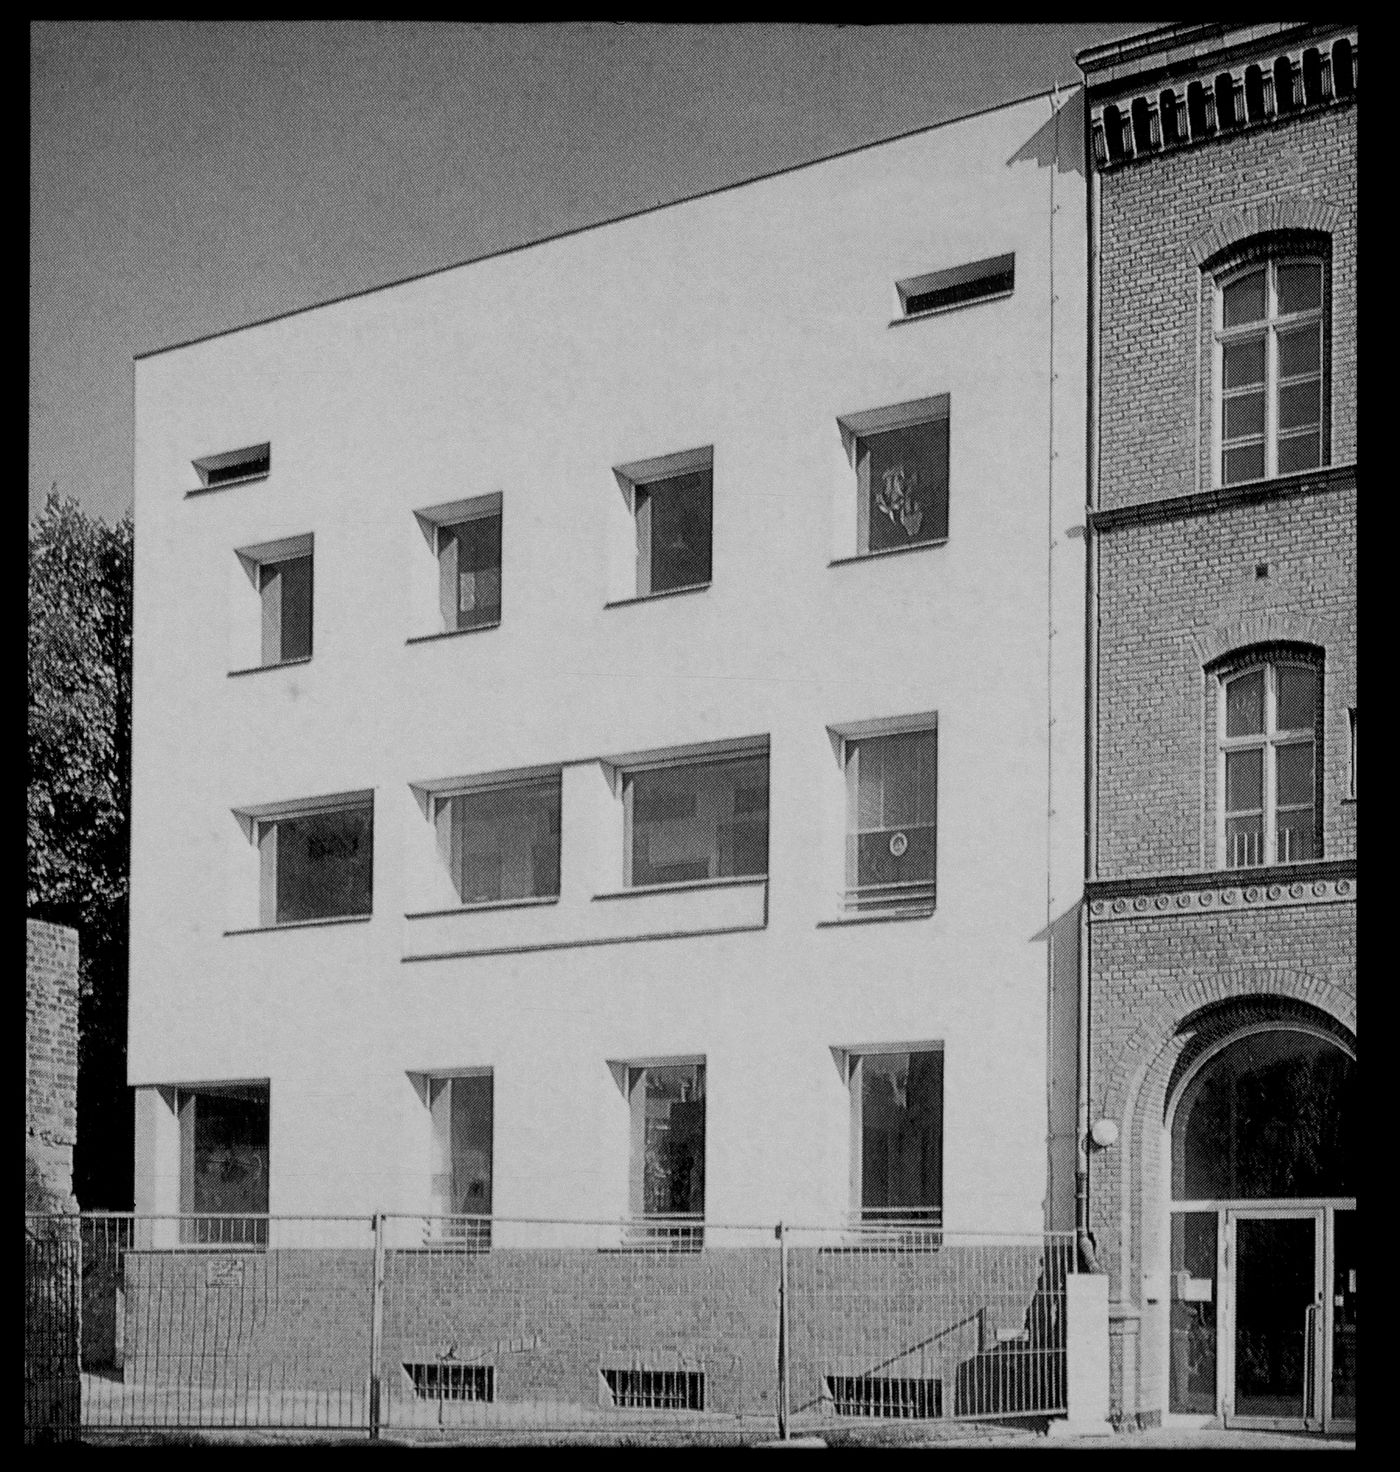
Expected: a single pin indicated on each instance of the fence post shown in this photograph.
(784, 1342)
(376, 1328)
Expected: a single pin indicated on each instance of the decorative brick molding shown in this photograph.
(1227, 896)
(1210, 94)
(1223, 498)
(1281, 212)
(1265, 626)
(1145, 1061)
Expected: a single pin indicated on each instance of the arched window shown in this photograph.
(1270, 350)
(1267, 772)
(1267, 1117)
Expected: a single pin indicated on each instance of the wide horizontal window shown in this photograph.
(697, 821)
(502, 843)
(317, 865)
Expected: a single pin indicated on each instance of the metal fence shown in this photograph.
(505, 1326)
(52, 1316)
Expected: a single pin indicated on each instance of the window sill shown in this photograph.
(524, 902)
(302, 924)
(257, 669)
(996, 296)
(888, 552)
(228, 485)
(642, 889)
(913, 912)
(452, 633)
(652, 597)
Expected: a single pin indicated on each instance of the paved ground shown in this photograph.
(977, 1439)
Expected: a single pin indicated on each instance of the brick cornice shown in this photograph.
(1328, 881)
(1223, 498)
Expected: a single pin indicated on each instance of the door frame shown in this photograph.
(1316, 1414)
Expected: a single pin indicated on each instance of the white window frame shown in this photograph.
(430, 599)
(440, 815)
(686, 1228)
(474, 1229)
(868, 423)
(635, 480)
(624, 768)
(1269, 741)
(1268, 328)
(254, 637)
(847, 737)
(853, 1058)
(259, 824)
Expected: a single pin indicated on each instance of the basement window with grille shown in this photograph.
(958, 286)
(885, 1396)
(253, 462)
(656, 1390)
(443, 1380)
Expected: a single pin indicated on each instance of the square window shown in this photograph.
(223, 1163)
(891, 820)
(502, 843)
(667, 1176)
(461, 1108)
(900, 456)
(697, 820)
(897, 1135)
(316, 864)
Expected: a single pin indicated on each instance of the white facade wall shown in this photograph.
(748, 320)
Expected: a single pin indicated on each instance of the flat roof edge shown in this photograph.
(1067, 89)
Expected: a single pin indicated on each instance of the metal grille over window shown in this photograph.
(697, 821)
(1270, 335)
(656, 1390)
(502, 843)
(1268, 751)
(892, 789)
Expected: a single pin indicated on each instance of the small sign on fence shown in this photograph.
(224, 1272)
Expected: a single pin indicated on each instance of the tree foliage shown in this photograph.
(79, 803)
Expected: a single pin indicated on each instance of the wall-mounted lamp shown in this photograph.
(1104, 1133)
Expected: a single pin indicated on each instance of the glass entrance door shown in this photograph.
(1276, 1302)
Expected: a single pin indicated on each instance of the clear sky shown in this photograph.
(187, 177)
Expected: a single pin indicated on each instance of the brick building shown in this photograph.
(1221, 890)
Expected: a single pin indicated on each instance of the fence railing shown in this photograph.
(506, 1326)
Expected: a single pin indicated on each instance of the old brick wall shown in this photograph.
(1154, 312)
(51, 1065)
(1173, 596)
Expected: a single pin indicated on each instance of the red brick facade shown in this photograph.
(1187, 575)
